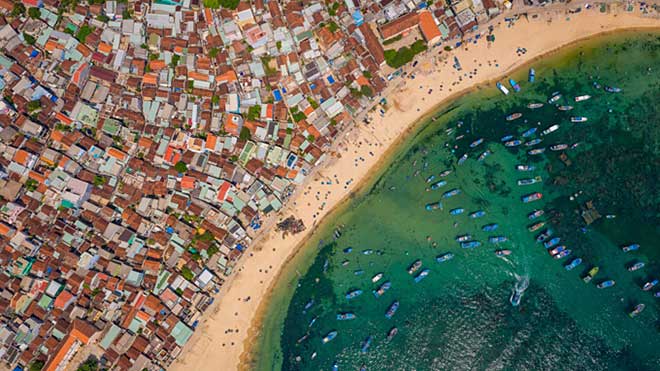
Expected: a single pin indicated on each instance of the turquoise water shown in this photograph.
(460, 316)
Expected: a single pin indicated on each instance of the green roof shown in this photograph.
(181, 333)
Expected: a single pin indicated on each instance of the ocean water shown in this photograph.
(460, 316)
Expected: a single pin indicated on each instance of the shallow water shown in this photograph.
(460, 316)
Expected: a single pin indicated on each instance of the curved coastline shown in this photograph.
(204, 352)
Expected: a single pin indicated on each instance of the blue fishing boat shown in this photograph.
(451, 193)
(382, 289)
(606, 284)
(573, 263)
(632, 247)
(444, 257)
(612, 89)
(438, 184)
(353, 294)
(497, 239)
(335, 366)
(529, 181)
(514, 85)
(535, 214)
(433, 206)
(532, 75)
(502, 88)
(529, 132)
(579, 119)
(327, 338)
(358, 272)
(506, 138)
(392, 309)
(533, 142)
(312, 321)
(650, 284)
(366, 344)
(483, 155)
(463, 238)
(476, 142)
(470, 244)
(430, 178)
(308, 305)
(345, 316)
(525, 167)
(513, 143)
(563, 254)
(477, 214)
(489, 227)
(348, 250)
(462, 159)
(636, 266)
(531, 197)
(551, 243)
(422, 275)
(544, 235)
(457, 211)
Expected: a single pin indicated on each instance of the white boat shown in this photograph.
(502, 88)
(581, 98)
(551, 129)
(376, 278)
(579, 119)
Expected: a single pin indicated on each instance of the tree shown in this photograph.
(366, 74)
(31, 184)
(254, 113)
(83, 32)
(36, 365)
(34, 13)
(213, 52)
(175, 60)
(398, 58)
(29, 39)
(99, 180)
(91, 364)
(366, 90)
(181, 167)
(19, 9)
(245, 134)
(102, 18)
(227, 4)
(33, 106)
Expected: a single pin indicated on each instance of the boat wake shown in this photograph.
(518, 291)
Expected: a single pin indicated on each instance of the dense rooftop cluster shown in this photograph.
(144, 142)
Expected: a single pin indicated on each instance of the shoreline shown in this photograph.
(394, 130)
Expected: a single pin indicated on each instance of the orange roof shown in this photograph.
(211, 141)
(63, 118)
(427, 25)
(198, 76)
(157, 64)
(114, 152)
(292, 174)
(36, 176)
(227, 77)
(209, 16)
(399, 25)
(145, 142)
(63, 299)
(149, 78)
(308, 111)
(4, 229)
(21, 157)
(187, 182)
(143, 316)
(64, 347)
(362, 81)
(56, 135)
(52, 45)
(105, 48)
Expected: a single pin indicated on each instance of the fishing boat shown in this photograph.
(470, 244)
(565, 108)
(606, 284)
(558, 147)
(506, 138)
(550, 129)
(358, 272)
(462, 159)
(392, 309)
(581, 98)
(590, 275)
(536, 151)
(345, 316)
(335, 366)
(548, 244)
(502, 88)
(414, 267)
(376, 277)
(544, 235)
(477, 214)
(529, 181)
(532, 197)
(367, 252)
(529, 132)
(525, 167)
(512, 143)
(555, 97)
(312, 321)
(489, 227)
(366, 344)
(353, 294)
(562, 254)
(476, 142)
(636, 266)
(348, 250)
(497, 239)
(302, 338)
(331, 335)
(484, 154)
(514, 85)
(535, 214)
(639, 308)
(382, 289)
(433, 206)
(502, 253)
(557, 250)
(457, 211)
(514, 116)
(444, 257)
(534, 105)
(631, 247)
(438, 184)
(451, 193)
(430, 178)
(612, 89)
(573, 263)
(445, 173)
(463, 238)
(392, 333)
(650, 284)
(532, 75)
(518, 291)
(533, 142)
(422, 275)
(579, 119)
(536, 226)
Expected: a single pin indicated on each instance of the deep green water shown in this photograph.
(460, 317)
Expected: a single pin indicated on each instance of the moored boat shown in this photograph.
(489, 227)
(451, 193)
(433, 206)
(528, 132)
(514, 85)
(382, 289)
(476, 142)
(502, 253)
(579, 119)
(552, 242)
(631, 247)
(366, 344)
(532, 75)
(497, 239)
(525, 167)
(358, 272)
(514, 116)
(536, 226)
(463, 238)
(353, 294)
(581, 98)
(513, 143)
(367, 252)
(590, 275)
(414, 267)
(532, 197)
(438, 184)
(392, 309)
(533, 142)
(639, 308)
(308, 305)
(562, 254)
(535, 214)
(529, 181)
(392, 333)
(422, 275)
(557, 250)
(470, 244)
(550, 129)
(457, 211)
(534, 105)
(612, 89)
(345, 316)
(506, 138)
(329, 336)
(573, 263)
(376, 277)
(444, 257)
(650, 284)
(445, 173)
(536, 151)
(555, 97)
(558, 147)
(484, 154)
(544, 235)
(606, 284)
(565, 108)
(636, 266)
(430, 178)
(477, 214)
(462, 159)
(502, 88)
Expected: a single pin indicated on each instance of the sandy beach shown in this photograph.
(224, 337)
